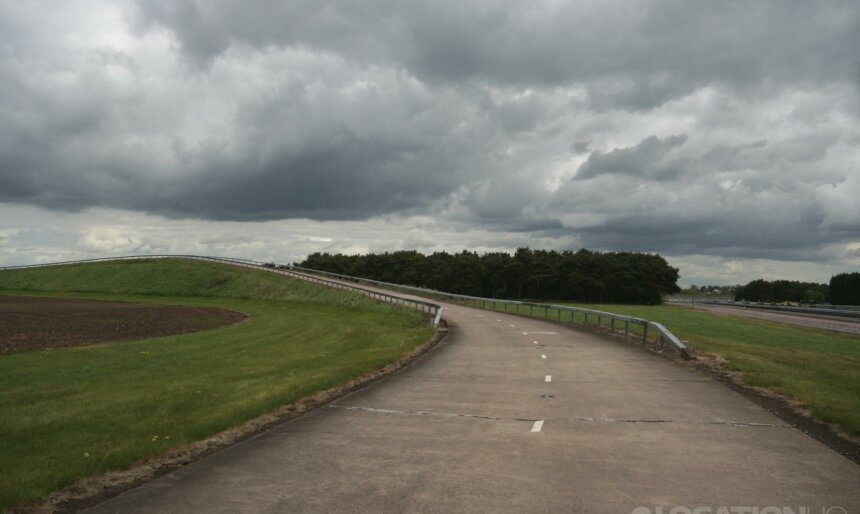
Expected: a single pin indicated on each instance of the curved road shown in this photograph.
(513, 414)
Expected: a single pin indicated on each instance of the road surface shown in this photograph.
(834, 323)
(514, 414)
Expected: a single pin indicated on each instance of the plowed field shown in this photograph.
(33, 323)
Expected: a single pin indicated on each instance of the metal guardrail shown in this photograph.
(433, 309)
(843, 311)
(661, 334)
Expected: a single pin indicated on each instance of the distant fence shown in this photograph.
(845, 311)
(434, 310)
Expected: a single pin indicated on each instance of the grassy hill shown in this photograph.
(70, 413)
(170, 277)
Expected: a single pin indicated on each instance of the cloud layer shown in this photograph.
(728, 130)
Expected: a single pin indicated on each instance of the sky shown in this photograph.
(723, 135)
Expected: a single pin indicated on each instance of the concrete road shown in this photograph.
(834, 323)
(512, 414)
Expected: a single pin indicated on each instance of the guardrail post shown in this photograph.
(612, 324)
(644, 333)
(626, 329)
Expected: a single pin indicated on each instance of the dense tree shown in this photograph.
(845, 289)
(618, 277)
(782, 291)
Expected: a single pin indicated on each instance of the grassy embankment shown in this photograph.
(75, 412)
(819, 368)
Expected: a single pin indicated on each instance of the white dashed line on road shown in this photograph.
(535, 342)
(512, 326)
(548, 378)
(537, 426)
(525, 333)
(543, 356)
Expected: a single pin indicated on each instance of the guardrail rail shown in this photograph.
(661, 338)
(648, 332)
(434, 310)
(844, 311)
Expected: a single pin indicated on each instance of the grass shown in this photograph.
(70, 413)
(819, 368)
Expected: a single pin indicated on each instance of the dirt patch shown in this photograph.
(35, 323)
(787, 409)
(93, 490)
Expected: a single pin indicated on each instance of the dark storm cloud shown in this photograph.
(636, 55)
(647, 159)
(729, 236)
(330, 176)
(344, 180)
(747, 200)
(703, 127)
(329, 141)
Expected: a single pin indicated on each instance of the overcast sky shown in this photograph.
(723, 135)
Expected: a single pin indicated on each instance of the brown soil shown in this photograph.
(34, 323)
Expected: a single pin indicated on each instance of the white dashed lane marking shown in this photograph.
(535, 342)
(548, 378)
(537, 426)
(543, 356)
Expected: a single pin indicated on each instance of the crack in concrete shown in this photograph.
(732, 423)
(613, 420)
(584, 419)
(745, 424)
(426, 413)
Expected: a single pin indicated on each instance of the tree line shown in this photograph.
(582, 276)
(845, 289)
(782, 291)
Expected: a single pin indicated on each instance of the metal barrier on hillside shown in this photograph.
(661, 337)
(433, 309)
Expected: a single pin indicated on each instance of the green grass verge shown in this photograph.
(70, 413)
(820, 368)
